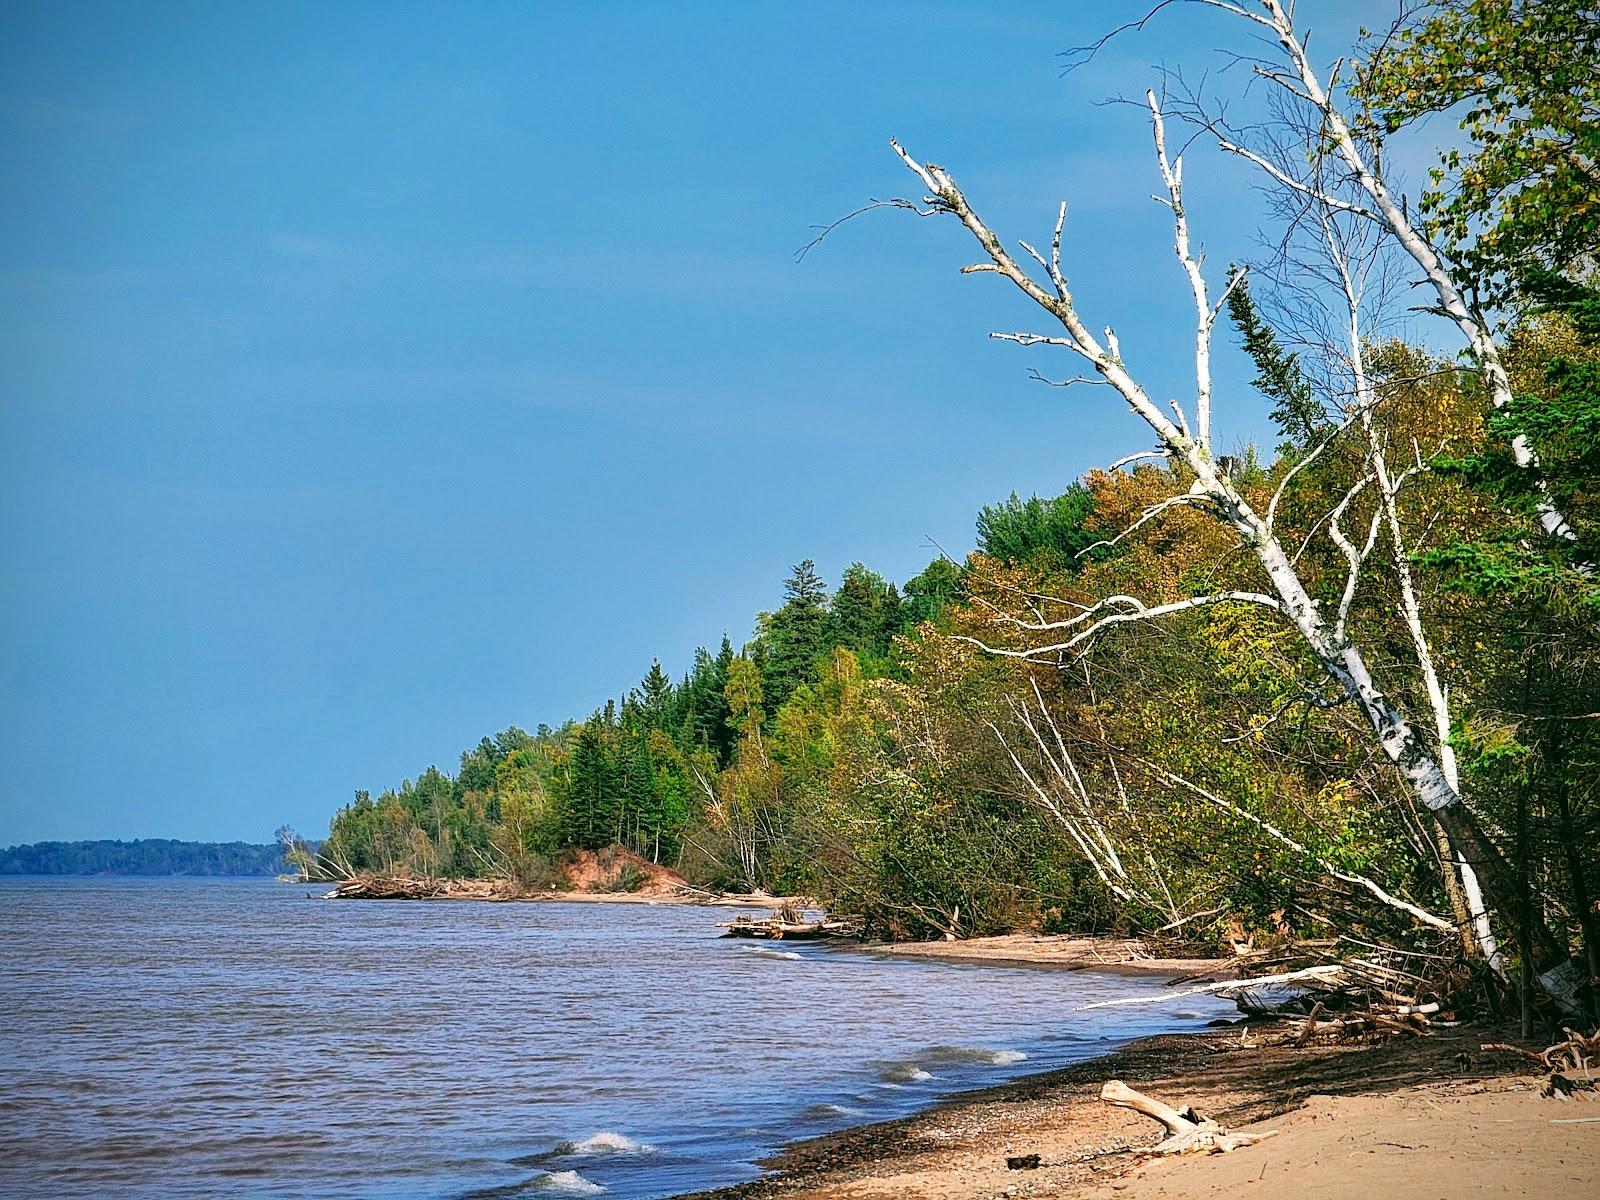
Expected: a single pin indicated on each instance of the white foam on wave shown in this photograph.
(836, 1110)
(977, 1054)
(570, 1182)
(906, 1073)
(610, 1142)
(788, 955)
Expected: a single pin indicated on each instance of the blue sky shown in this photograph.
(373, 377)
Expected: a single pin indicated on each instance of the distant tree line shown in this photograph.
(144, 856)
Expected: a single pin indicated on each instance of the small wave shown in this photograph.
(605, 1142)
(905, 1073)
(609, 1142)
(833, 1110)
(977, 1054)
(570, 1182)
(755, 952)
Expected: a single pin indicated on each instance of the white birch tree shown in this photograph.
(1321, 624)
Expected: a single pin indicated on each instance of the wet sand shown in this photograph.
(1406, 1118)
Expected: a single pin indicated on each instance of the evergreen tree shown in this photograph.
(1295, 411)
(866, 612)
(655, 696)
(477, 767)
(703, 705)
(928, 594)
(796, 635)
(1051, 531)
(592, 804)
(641, 809)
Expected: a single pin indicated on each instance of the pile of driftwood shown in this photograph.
(1330, 991)
(387, 887)
(788, 923)
(1577, 1054)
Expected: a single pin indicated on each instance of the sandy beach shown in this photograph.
(1423, 1117)
(1433, 1118)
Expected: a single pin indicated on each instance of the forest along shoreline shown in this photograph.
(592, 879)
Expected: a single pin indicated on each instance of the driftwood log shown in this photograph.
(1578, 1052)
(387, 887)
(777, 929)
(1187, 1131)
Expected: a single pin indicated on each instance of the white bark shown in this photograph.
(1380, 893)
(1305, 83)
(1352, 285)
(1172, 176)
(1338, 656)
(1067, 798)
(1327, 640)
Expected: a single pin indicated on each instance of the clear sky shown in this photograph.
(374, 377)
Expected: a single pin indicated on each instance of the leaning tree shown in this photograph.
(1325, 166)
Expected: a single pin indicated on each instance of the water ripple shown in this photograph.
(214, 1038)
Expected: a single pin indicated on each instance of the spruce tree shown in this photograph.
(655, 696)
(863, 618)
(592, 800)
(796, 635)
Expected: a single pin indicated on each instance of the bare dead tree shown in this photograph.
(1325, 635)
(1350, 143)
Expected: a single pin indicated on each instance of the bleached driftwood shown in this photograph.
(1187, 1131)
(1576, 1053)
(778, 929)
(1328, 974)
(387, 887)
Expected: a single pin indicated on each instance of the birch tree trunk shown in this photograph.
(1214, 492)
(1302, 81)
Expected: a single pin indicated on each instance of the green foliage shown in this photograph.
(866, 613)
(795, 636)
(1526, 189)
(1049, 533)
(1300, 419)
(1556, 358)
(941, 584)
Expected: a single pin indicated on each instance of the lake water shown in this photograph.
(203, 1038)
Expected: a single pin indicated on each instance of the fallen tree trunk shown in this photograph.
(776, 929)
(1187, 1131)
(1327, 974)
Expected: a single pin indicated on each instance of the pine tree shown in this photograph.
(864, 619)
(592, 803)
(1295, 411)
(1051, 533)
(655, 696)
(796, 635)
(641, 809)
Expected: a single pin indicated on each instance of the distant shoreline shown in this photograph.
(145, 858)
